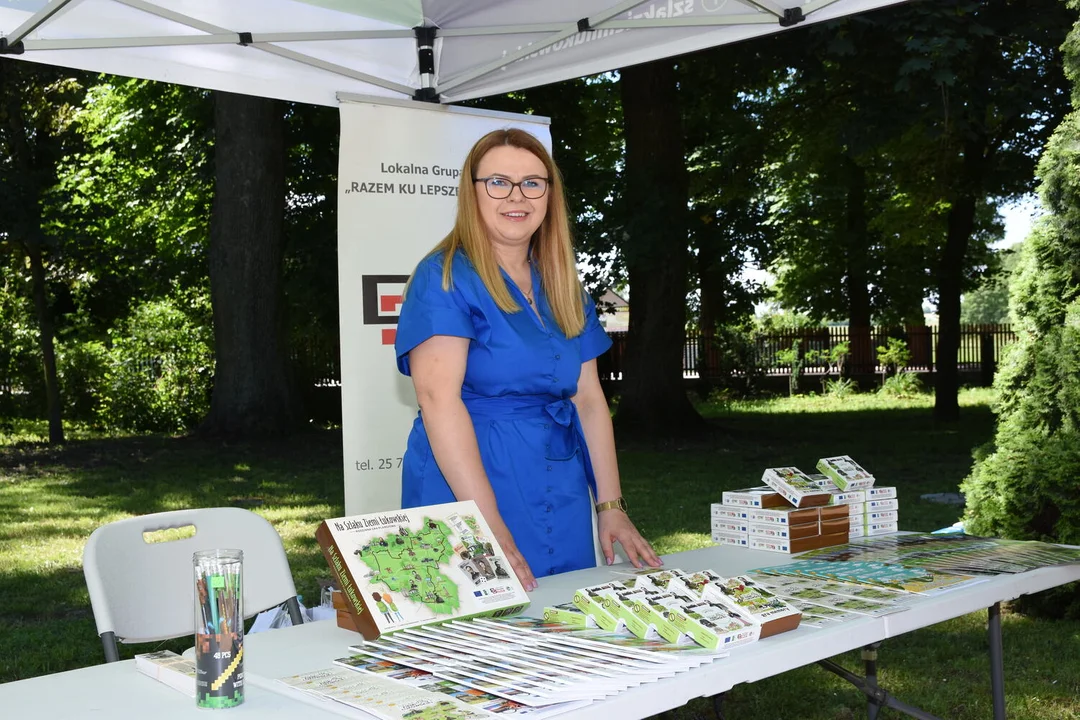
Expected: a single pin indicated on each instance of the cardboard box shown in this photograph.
(795, 487)
(736, 539)
(881, 528)
(731, 526)
(589, 601)
(857, 509)
(789, 546)
(756, 497)
(771, 530)
(839, 497)
(619, 603)
(832, 512)
(654, 610)
(724, 512)
(884, 516)
(845, 473)
(882, 492)
(803, 530)
(568, 614)
(742, 594)
(856, 531)
(785, 516)
(714, 626)
(836, 525)
(882, 504)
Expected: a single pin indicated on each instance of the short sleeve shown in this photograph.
(594, 341)
(430, 310)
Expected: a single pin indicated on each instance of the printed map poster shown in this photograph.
(404, 568)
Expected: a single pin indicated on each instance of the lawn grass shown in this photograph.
(51, 499)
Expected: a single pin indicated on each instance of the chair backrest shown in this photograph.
(143, 592)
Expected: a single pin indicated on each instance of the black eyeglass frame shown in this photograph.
(513, 185)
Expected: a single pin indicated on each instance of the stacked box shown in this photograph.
(845, 473)
(794, 530)
(882, 511)
(836, 495)
(795, 487)
(763, 519)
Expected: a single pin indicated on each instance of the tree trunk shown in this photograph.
(963, 201)
(961, 223)
(654, 401)
(712, 282)
(253, 392)
(45, 340)
(857, 283)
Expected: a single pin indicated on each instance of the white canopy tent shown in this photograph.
(321, 51)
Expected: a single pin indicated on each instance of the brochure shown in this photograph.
(382, 697)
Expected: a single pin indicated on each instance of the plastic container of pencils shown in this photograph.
(219, 628)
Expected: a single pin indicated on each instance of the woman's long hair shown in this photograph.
(551, 247)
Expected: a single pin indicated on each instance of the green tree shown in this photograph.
(1023, 484)
(135, 200)
(36, 107)
(988, 304)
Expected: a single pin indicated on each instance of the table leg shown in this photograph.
(876, 696)
(997, 663)
(718, 705)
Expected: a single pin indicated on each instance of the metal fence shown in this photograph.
(981, 348)
(317, 364)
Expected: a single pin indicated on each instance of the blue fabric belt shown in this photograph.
(533, 407)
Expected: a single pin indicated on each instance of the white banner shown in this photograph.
(397, 196)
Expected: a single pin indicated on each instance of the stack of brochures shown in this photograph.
(514, 666)
(682, 608)
(793, 512)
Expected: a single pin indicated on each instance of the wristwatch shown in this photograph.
(618, 503)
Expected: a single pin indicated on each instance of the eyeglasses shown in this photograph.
(500, 188)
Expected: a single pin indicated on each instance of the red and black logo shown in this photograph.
(382, 298)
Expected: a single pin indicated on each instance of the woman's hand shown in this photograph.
(513, 555)
(613, 525)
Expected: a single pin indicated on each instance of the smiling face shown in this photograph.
(510, 222)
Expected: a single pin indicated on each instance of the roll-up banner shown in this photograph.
(397, 196)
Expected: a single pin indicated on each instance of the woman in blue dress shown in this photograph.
(501, 343)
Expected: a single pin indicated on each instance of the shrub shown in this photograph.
(738, 363)
(160, 367)
(839, 387)
(902, 384)
(81, 368)
(1023, 484)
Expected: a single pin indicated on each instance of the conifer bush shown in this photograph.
(1026, 483)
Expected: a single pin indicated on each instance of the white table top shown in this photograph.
(117, 690)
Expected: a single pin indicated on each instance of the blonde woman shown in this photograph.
(501, 343)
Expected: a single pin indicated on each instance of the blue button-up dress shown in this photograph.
(519, 377)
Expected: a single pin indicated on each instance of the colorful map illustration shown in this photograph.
(407, 564)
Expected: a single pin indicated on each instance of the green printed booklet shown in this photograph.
(845, 473)
(404, 568)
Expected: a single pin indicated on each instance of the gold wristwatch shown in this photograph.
(618, 503)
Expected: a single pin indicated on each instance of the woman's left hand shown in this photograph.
(614, 525)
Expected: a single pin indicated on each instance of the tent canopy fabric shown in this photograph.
(436, 50)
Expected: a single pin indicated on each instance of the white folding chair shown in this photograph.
(144, 592)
